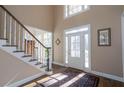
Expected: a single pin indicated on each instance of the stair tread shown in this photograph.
(27, 56)
(4, 38)
(18, 51)
(38, 63)
(33, 60)
(9, 45)
(43, 66)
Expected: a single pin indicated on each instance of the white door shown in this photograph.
(77, 49)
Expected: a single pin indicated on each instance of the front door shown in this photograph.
(77, 46)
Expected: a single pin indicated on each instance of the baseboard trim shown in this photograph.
(121, 79)
(58, 63)
(18, 83)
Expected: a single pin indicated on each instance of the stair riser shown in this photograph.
(2, 42)
(9, 49)
(26, 59)
(19, 55)
(33, 63)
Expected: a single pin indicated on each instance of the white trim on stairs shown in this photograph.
(13, 78)
(18, 83)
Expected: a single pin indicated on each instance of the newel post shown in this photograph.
(48, 59)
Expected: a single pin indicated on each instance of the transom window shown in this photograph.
(71, 10)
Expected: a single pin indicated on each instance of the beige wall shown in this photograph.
(103, 59)
(11, 66)
(41, 17)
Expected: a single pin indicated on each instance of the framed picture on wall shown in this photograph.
(58, 41)
(104, 37)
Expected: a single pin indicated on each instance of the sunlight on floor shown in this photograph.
(54, 79)
(73, 80)
(62, 77)
(47, 81)
(50, 82)
(48, 78)
(56, 75)
(31, 84)
(44, 80)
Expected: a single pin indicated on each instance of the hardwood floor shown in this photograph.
(103, 82)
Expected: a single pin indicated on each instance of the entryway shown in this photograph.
(77, 47)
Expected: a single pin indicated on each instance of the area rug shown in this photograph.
(87, 80)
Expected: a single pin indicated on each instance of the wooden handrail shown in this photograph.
(23, 26)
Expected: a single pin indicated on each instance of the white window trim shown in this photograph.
(75, 13)
(89, 33)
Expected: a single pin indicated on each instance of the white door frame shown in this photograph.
(122, 30)
(89, 38)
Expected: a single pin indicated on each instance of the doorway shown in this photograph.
(77, 47)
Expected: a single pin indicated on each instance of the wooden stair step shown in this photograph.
(44, 65)
(27, 56)
(33, 60)
(4, 38)
(9, 45)
(38, 63)
(18, 51)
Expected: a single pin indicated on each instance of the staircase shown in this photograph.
(18, 41)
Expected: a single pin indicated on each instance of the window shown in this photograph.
(48, 39)
(74, 9)
(86, 51)
(66, 50)
(76, 30)
(44, 37)
(75, 46)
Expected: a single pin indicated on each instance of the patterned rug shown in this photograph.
(73, 78)
(87, 80)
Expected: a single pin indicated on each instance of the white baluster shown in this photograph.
(40, 51)
(10, 33)
(5, 34)
(2, 23)
(7, 27)
(25, 43)
(15, 30)
(19, 37)
(23, 37)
